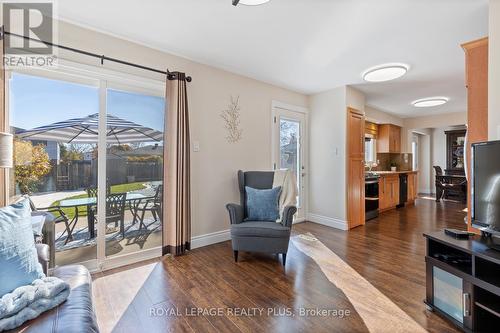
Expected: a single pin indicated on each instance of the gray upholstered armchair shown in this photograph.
(258, 236)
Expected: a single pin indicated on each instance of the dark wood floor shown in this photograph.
(388, 252)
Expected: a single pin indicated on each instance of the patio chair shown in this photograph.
(59, 217)
(153, 205)
(92, 193)
(115, 211)
(92, 190)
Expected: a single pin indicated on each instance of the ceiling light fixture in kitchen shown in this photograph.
(385, 72)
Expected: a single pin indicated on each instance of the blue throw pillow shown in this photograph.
(263, 205)
(19, 264)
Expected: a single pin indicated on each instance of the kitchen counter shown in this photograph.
(391, 172)
(393, 190)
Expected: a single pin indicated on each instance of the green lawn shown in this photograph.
(82, 211)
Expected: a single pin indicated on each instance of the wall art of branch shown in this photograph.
(231, 117)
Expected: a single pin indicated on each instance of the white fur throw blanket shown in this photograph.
(28, 302)
(286, 179)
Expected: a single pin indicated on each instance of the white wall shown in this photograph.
(327, 159)
(438, 148)
(424, 168)
(494, 71)
(380, 117)
(213, 171)
(437, 121)
(439, 145)
(355, 99)
(327, 154)
(432, 151)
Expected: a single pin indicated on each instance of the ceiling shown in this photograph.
(309, 46)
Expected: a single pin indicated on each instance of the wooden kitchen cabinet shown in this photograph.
(389, 139)
(382, 197)
(412, 187)
(388, 191)
(394, 190)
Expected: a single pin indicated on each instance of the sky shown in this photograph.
(36, 101)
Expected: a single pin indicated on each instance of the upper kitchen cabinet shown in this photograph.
(389, 139)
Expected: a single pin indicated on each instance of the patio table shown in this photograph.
(92, 201)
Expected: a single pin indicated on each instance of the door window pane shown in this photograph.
(134, 171)
(290, 148)
(447, 291)
(52, 165)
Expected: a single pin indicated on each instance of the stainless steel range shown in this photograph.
(371, 195)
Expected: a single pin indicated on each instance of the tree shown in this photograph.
(71, 152)
(31, 164)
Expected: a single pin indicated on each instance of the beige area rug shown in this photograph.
(378, 312)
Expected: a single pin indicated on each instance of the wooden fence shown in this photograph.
(120, 171)
(78, 175)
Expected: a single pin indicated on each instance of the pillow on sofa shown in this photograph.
(18, 257)
(262, 205)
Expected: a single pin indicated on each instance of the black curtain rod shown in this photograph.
(170, 75)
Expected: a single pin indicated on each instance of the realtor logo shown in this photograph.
(27, 25)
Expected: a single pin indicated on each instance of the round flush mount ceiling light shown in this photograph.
(252, 2)
(430, 102)
(385, 72)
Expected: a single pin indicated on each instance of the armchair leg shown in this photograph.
(235, 256)
(283, 257)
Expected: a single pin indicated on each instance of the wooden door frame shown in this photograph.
(348, 179)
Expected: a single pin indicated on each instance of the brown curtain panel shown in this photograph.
(176, 173)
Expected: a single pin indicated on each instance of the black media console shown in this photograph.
(463, 281)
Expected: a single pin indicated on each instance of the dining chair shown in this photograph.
(115, 211)
(439, 171)
(445, 185)
(92, 190)
(91, 209)
(153, 205)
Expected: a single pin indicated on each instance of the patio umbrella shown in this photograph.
(84, 130)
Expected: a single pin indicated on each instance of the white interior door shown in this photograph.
(289, 149)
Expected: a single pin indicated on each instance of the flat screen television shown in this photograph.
(485, 187)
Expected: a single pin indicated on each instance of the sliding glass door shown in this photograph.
(134, 170)
(89, 150)
(52, 166)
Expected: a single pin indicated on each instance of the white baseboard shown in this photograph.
(302, 219)
(197, 241)
(328, 221)
(211, 238)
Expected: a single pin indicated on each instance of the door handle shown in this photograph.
(466, 304)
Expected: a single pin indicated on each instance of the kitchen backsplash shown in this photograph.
(404, 161)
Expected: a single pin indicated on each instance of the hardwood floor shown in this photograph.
(388, 252)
